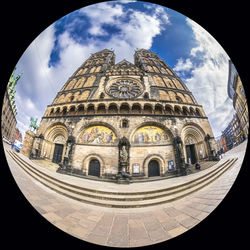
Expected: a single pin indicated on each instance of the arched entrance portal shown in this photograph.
(191, 155)
(58, 151)
(94, 168)
(153, 168)
(194, 143)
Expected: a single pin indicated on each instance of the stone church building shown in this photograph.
(140, 118)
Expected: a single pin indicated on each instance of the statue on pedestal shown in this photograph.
(123, 173)
(33, 124)
(123, 156)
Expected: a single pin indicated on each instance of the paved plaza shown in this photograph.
(127, 227)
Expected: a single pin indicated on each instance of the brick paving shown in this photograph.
(127, 227)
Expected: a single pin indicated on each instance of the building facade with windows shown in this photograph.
(237, 93)
(229, 137)
(237, 130)
(140, 116)
(18, 135)
(9, 111)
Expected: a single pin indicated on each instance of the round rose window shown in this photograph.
(124, 89)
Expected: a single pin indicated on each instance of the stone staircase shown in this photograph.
(120, 198)
(204, 165)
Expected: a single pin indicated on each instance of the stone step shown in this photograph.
(123, 200)
(88, 191)
(129, 204)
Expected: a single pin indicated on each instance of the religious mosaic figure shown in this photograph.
(98, 135)
(150, 134)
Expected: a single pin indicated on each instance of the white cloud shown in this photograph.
(40, 82)
(208, 81)
(126, 1)
(137, 32)
(100, 14)
(183, 65)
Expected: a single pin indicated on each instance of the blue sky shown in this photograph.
(124, 26)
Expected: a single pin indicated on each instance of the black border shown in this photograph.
(21, 23)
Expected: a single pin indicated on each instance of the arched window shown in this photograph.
(124, 123)
(101, 95)
(192, 112)
(169, 110)
(177, 111)
(112, 109)
(178, 99)
(57, 111)
(90, 109)
(147, 109)
(136, 109)
(198, 112)
(158, 109)
(124, 109)
(72, 110)
(80, 109)
(101, 109)
(185, 111)
(64, 111)
(146, 96)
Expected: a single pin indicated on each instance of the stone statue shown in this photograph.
(68, 149)
(124, 155)
(33, 123)
(13, 80)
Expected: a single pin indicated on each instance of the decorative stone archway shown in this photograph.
(154, 157)
(56, 134)
(87, 161)
(194, 144)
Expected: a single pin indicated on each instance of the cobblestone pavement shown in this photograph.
(127, 227)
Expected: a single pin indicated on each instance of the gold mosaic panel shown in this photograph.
(150, 135)
(98, 135)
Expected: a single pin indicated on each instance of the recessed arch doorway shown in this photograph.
(57, 155)
(153, 168)
(94, 168)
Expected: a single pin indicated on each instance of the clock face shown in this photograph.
(124, 89)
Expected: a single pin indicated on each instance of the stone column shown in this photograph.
(179, 156)
(28, 143)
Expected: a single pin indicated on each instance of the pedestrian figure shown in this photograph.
(197, 166)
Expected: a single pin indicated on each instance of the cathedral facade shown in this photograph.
(140, 117)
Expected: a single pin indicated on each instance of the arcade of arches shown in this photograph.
(95, 149)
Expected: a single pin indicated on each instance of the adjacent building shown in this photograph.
(228, 136)
(9, 111)
(237, 130)
(18, 135)
(237, 94)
